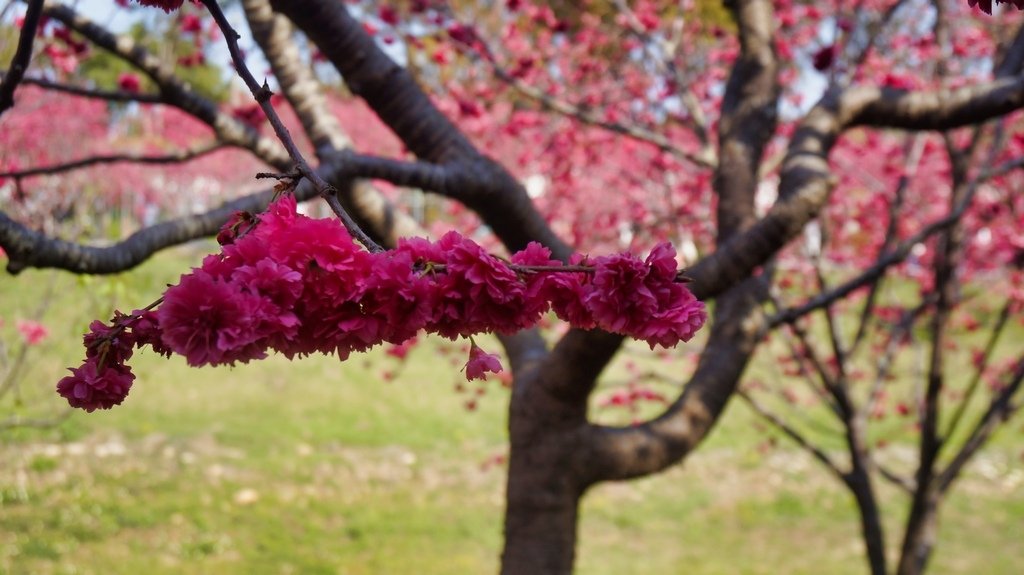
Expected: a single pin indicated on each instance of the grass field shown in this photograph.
(319, 466)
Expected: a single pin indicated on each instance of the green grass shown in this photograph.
(318, 466)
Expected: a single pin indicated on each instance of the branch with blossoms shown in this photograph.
(665, 57)
(703, 159)
(482, 52)
(298, 286)
(262, 95)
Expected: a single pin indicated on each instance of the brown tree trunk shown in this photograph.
(540, 517)
(543, 489)
(920, 537)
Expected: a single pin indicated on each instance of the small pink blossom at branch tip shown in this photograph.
(93, 387)
(32, 332)
(481, 362)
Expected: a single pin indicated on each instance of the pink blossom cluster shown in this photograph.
(299, 285)
(104, 378)
(165, 5)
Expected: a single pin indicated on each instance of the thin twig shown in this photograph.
(108, 95)
(175, 158)
(1001, 408)
(905, 484)
(16, 422)
(792, 433)
(262, 95)
(972, 387)
(872, 273)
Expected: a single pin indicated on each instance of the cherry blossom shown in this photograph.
(480, 363)
(32, 331)
(299, 285)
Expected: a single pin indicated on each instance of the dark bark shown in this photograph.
(859, 481)
(546, 478)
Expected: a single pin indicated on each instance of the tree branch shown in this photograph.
(107, 95)
(22, 55)
(793, 434)
(1000, 408)
(274, 33)
(162, 159)
(173, 91)
(28, 248)
(391, 91)
(262, 95)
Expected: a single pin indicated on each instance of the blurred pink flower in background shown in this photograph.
(33, 331)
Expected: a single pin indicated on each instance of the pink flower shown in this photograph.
(481, 362)
(32, 332)
(619, 297)
(239, 223)
(146, 330)
(92, 387)
(129, 82)
(109, 344)
(479, 293)
(190, 23)
(401, 351)
(211, 322)
(823, 58)
(400, 299)
(566, 292)
(642, 299)
(165, 5)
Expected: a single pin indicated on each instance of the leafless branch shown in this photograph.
(1000, 408)
(161, 159)
(792, 433)
(173, 90)
(107, 95)
(979, 369)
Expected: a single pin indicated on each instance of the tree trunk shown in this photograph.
(544, 480)
(870, 521)
(920, 537)
(540, 517)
